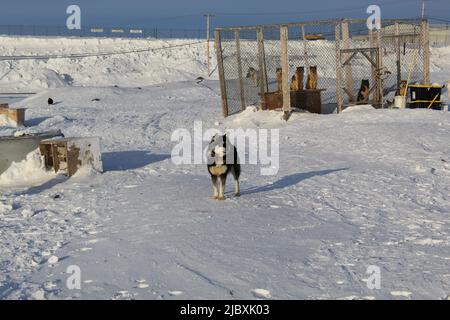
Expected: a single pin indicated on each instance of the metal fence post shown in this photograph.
(223, 89)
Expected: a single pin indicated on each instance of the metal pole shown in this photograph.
(423, 9)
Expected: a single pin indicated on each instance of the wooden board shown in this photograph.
(16, 115)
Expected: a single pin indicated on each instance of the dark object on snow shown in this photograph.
(96, 99)
(139, 88)
(424, 96)
(50, 101)
(56, 196)
(199, 79)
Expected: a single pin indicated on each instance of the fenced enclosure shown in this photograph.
(350, 58)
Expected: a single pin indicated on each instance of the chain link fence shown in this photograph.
(98, 31)
(347, 55)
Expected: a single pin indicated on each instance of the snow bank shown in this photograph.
(29, 172)
(186, 61)
(361, 108)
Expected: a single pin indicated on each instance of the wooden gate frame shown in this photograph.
(377, 87)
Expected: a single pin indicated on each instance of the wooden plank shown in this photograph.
(261, 66)
(223, 88)
(379, 63)
(398, 55)
(317, 23)
(339, 95)
(425, 42)
(347, 62)
(285, 69)
(239, 64)
(373, 69)
(369, 58)
(347, 68)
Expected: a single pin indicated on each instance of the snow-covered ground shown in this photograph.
(366, 187)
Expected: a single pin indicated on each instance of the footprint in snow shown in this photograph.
(141, 284)
(262, 293)
(122, 295)
(403, 294)
(53, 260)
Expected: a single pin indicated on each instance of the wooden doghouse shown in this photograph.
(70, 154)
(11, 117)
(308, 99)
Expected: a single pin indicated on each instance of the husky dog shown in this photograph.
(252, 74)
(222, 160)
(311, 82)
(279, 73)
(297, 79)
(364, 91)
(403, 88)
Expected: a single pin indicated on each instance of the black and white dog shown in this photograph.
(222, 160)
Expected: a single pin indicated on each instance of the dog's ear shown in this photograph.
(214, 138)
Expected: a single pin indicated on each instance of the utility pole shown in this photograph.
(423, 9)
(208, 29)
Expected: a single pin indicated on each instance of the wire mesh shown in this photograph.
(314, 44)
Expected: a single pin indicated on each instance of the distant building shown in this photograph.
(411, 34)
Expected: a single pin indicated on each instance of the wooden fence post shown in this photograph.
(398, 55)
(374, 70)
(380, 90)
(239, 65)
(348, 67)
(425, 42)
(285, 69)
(263, 86)
(337, 39)
(223, 88)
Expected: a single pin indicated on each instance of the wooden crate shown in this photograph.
(15, 116)
(69, 154)
(309, 99)
(272, 100)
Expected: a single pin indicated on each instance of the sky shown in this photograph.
(188, 14)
